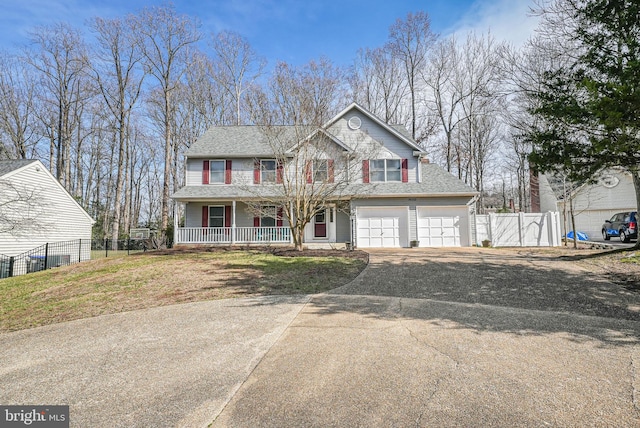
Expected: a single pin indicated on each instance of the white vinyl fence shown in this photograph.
(519, 229)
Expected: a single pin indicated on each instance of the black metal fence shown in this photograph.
(46, 256)
(108, 247)
(65, 253)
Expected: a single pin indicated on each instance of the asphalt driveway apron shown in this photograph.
(466, 337)
(423, 337)
(161, 367)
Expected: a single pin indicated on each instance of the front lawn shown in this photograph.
(162, 278)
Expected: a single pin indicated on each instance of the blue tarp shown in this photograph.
(581, 236)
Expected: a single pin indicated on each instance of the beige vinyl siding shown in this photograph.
(61, 218)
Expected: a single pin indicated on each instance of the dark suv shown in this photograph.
(624, 225)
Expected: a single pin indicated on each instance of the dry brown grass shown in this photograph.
(164, 278)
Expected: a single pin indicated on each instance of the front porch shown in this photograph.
(233, 235)
(229, 222)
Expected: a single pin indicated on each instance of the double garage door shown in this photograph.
(389, 227)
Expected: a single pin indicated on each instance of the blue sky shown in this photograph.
(294, 31)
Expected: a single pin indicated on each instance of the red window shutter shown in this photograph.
(279, 170)
(365, 171)
(227, 172)
(405, 170)
(205, 172)
(256, 172)
(279, 217)
(256, 222)
(309, 172)
(227, 216)
(331, 177)
(205, 216)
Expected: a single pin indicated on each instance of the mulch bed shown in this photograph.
(277, 251)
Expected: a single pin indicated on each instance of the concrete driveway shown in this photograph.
(423, 337)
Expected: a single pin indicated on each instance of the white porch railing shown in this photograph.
(233, 235)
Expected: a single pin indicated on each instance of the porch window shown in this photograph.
(216, 216)
(269, 215)
(382, 170)
(268, 171)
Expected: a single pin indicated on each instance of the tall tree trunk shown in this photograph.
(117, 203)
(167, 167)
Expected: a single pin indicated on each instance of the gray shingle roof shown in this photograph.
(237, 142)
(6, 166)
(435, 181)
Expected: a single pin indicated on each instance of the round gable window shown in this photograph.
(355, 122)
(610, 181)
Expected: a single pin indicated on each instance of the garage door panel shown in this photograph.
(439, 227)
(381, 227)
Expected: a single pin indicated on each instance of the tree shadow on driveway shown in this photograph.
(491, 290)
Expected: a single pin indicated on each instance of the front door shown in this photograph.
(320, 225)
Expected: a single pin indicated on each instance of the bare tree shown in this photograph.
(164, 39)
(120, 82)
(17, 108)
(306, 95)
(236, 67)
(410, 40)
(443, 95)
(378, 84)
(312, 168)
(60, 56)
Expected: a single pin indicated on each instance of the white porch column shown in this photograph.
(176, 223)
(233, 221)
(334, 210)
(291, 224)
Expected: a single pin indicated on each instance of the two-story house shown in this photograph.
(379, 188)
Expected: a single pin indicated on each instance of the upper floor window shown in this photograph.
(216, 171)
(381, 170)
(320, 170)
(267, 171)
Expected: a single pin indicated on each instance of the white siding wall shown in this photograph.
(372, 141)
(241, 171)
(62, 219)
(599, 197)
(594, 203)
(244, 218)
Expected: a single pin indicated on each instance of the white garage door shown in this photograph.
(440, 227)
(382, 227)
(379, 232)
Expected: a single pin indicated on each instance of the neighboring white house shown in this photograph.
(593, 203)
(392, 196)
(35, 209)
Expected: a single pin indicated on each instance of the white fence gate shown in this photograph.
(519, 229)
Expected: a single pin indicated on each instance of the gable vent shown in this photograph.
(355, 122)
